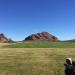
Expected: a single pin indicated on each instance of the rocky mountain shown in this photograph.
(43, 36)
(4, 39)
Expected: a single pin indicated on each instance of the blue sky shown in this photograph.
(20, 18)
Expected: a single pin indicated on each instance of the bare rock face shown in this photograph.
(44, 36)
(3, 38)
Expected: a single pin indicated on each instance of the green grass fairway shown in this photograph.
(34, 61)
(44, 44)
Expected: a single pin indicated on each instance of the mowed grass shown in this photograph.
(34, 61)
(45, 44)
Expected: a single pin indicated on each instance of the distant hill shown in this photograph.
(4, 39)
(73, 40)
(43, 36)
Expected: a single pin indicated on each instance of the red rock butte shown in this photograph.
(43, 36)
(4, 39)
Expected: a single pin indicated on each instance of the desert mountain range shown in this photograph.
(43, 36)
